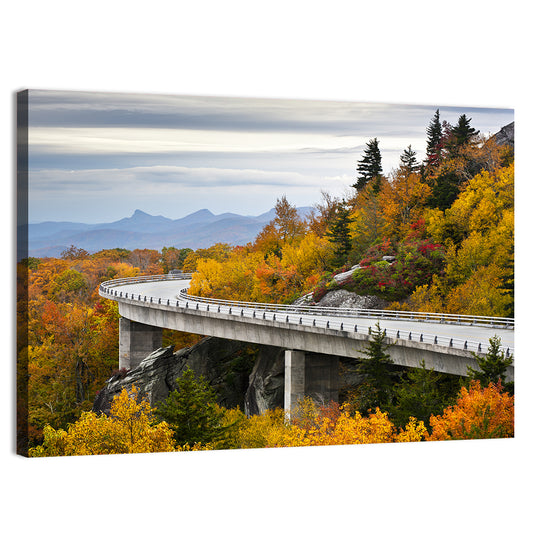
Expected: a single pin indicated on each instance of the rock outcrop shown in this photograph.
(343, 298)
(505, 137)
(343, 276)
(227, 366)
(267, 382)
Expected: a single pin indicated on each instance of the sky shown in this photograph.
(97, 157)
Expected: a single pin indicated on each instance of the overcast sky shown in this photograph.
(96, 157)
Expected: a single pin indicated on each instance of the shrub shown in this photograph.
(416, 263)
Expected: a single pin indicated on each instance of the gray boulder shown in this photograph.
(343, 298)
(345, 275)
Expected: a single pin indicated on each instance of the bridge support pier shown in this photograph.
(136, 341)
(313, 375)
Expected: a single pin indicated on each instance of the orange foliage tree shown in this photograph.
(403, 201)
(72, 334)
(480, 413)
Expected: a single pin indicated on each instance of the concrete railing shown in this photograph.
(311, 315)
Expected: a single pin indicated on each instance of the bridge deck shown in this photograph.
(472, 334)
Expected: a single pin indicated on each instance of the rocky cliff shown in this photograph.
(505, 137)
(227, 365)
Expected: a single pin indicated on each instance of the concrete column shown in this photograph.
(322, 377)
(294, 378)
(136, 341)
(313, 375)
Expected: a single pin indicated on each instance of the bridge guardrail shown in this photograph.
(338, 312)
(474, 320)
(441, 318)
(144, 279)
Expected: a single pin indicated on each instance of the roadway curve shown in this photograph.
(418, 327)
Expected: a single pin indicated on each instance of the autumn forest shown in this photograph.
(446, 217)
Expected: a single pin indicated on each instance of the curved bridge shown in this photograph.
(445, 342)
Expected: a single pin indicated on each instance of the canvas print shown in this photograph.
(208, 273)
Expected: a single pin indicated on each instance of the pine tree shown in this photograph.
(421, 395)
(434, 142)
(444, 190)
(492, 366)
(339, 235)
(369, 166)
(462, 133)
(379, 376)
(508, 285)
(409, 164)
(191, 411)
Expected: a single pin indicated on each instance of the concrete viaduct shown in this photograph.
(313, 337)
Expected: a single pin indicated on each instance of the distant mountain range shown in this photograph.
(197, 230)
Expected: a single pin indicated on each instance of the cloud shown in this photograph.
(128, 149)
(116, 110)
(158, 179)
(101, 141)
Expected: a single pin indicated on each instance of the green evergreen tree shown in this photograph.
(445, 189)
(191, 411)
(508, 285)
(434, 142)
(339, 235)
(421, 394)
(408, 160)
(369, 166)
(184, 252)
(462, 133)
(379, 375)
(492, 366)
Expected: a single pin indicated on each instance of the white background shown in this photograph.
(438, 53)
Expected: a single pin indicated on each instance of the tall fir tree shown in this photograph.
(508, 285)
(444, 190)
(492, 366)
(369, 166)
(377, 389)
(191, 411)
(339, 235)
(421, 393)
(462, 133)
(408, 162)
(434, 143)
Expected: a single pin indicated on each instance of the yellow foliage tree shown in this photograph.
(218, 252)
(485, 203)
(310, 256)
(268, 430)
(478, 231)
(481, 294)
(130, 428)
(414, 431)
(232, 278)
(311, 425)
(368, 220)
(347, 429)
